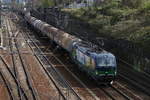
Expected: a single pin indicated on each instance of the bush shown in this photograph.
(146, 6)
(47, 3)
(132, 3)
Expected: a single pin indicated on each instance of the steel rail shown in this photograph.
(146, 77)
(111, 96)
(124, 95)
(126, 63)
(14, 78)
(108, 94)
(12, 97)
(145, 90)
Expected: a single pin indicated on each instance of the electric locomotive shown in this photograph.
(100, 65)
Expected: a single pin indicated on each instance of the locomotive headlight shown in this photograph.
(106, 72)
(115, 72)
(96, 72)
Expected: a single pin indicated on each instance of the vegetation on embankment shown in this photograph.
(121, 19)
(52, 3)
(118, 21)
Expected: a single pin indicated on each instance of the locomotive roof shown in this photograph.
(88, 50)
(86, 47)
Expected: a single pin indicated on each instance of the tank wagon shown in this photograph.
(100, 65)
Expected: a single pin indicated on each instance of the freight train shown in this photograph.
(98, 64)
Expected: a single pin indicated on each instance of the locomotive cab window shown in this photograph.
(105, 60)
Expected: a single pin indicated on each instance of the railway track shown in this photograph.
(131, 92)
(111, 90)
(58, 65)
(58, 70)
(115, 94)
(6, 92)
(65, 91)
(44, 58)
(15, 83)
(138, 79)
(19, 68)
(10, 91)
(54, 61)
(14, 88)
(31, 95)
(36, 74)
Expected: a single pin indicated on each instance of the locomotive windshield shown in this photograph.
(106, 60)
